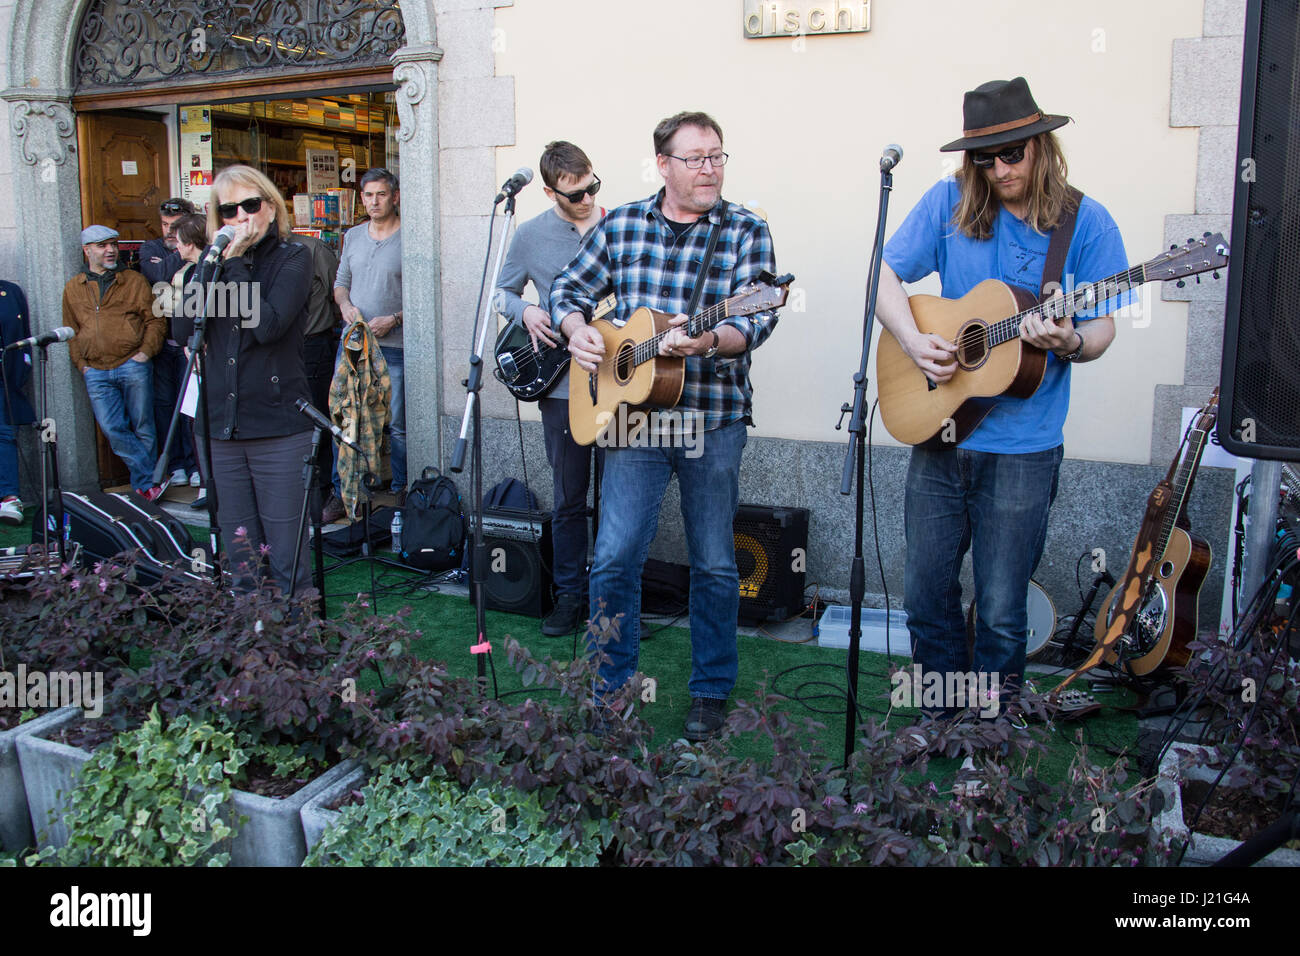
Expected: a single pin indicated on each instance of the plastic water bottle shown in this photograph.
(396, 530)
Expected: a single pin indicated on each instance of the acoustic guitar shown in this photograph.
(1166, 618)
(634, 373)
(992, 360)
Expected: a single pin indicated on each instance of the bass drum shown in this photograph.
(1041, 626)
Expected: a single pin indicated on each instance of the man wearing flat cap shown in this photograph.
(1007, 214)
(112, 312)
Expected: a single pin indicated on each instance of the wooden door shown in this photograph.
(124, 178)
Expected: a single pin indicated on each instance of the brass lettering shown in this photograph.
(816, 19)
(791, 21)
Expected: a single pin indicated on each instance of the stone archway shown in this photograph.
(41, 251)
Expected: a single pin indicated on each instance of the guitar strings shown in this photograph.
(1009, 328)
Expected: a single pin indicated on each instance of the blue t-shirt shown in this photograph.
(927, 241)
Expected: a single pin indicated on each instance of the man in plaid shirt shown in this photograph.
(649, 253)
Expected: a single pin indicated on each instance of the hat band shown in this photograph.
(1003, 127)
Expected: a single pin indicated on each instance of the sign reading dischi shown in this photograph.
(775, 18)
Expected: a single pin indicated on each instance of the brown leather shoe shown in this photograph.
(333, 511)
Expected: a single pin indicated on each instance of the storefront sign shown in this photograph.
(776, 18)
(196, 155)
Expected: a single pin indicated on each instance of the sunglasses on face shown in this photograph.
(576, 197)
(1010, 155)
(251, 205)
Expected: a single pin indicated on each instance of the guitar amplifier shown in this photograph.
(771, 557)
(518, 574)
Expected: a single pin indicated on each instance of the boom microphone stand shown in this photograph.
(857, 450)
(473, 413)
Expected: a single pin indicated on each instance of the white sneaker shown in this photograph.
(196, 480)
(11, 510)
(179, 477)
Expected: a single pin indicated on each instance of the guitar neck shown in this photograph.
(696, 326)
(1186, 471)
(1075, 301)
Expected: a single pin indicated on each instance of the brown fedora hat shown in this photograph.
(1001, 111)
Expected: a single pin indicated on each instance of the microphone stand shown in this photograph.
(857, 452)
(197, 368)
(473, 412)
(51, 491)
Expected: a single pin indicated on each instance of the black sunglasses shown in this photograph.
(1011, 155)
(174, 207)
(576, 196)
(250, 205)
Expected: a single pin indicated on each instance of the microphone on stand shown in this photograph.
(61, 334)
(522, 177)
(321, 421)
(225, 235)
(891, 157)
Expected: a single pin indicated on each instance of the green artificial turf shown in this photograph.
(811, 678)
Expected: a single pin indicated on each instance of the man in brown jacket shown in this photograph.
(118, 333)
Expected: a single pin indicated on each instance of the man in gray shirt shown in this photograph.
(369, 288)
(542, 247)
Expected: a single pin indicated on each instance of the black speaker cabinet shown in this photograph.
(518, 574)
(1259, 414)
(771, 555)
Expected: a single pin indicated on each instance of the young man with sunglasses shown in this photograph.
(991, 493)
(541, 248)
(651, 253)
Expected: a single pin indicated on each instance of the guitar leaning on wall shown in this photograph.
(530, 373)
(918, 412)
(633, 371)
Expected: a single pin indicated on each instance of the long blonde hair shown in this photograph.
(1049, 192)
(254, 179)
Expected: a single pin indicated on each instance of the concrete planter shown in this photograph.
(273, 833)
(50, 771)
(1177, 765)
(15, 816)
(316, 819)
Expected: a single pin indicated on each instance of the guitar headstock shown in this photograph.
(1197, 256)
(763, 294)
(1208, 414)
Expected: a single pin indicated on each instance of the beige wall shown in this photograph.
(805, 121)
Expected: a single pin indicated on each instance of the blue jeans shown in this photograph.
(998, 504)
(8, 459)
(571, 478)
(122, 399)
(632, 492)
(397, 427)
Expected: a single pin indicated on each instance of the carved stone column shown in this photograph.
(416, 75)
(42, 133)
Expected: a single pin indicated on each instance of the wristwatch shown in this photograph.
(712, 349)
(1073, 356)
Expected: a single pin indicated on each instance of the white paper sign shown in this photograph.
(128, 168)
(190, 400)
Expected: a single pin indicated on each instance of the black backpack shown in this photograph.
(433, 524)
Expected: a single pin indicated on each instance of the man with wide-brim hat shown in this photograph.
(989, 491)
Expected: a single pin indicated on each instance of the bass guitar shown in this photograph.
(531, 372)
(1166, 618)
(918, 412)
(634, 373)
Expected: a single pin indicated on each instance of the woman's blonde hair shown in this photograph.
(1049, 192)
(253, 179)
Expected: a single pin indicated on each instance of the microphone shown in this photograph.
(224, 237)
(522, 177)
(321, 421)
(891, 157)
(61, 334)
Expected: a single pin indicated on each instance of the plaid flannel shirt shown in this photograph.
(632, 253)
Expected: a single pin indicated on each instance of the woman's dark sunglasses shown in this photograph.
(576, 197)
(1011, 155)
(251, 205)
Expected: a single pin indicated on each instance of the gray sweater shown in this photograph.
(372, 273)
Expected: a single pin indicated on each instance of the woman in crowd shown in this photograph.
(254, 373)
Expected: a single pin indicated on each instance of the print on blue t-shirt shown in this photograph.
(927, 241)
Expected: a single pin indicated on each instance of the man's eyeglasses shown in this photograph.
(1011, 155)
(716, 160)
(251, 205)
(174, 207)
(576, 196)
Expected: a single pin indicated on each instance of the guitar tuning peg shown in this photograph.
(1174, 247)
(1180, 283)
(1198, 280)
(1215, 273)
(1206, 234)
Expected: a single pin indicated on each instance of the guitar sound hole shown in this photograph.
(1166, 569)
(972, 346)
(623, 364)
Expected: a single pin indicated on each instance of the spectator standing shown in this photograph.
(15, 409)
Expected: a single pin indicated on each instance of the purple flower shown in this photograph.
(99, 566)
(264, 549)
(859, 808)
(828, 801)
(404, 725)
(75, 584)
(103, 586)
(241, 532)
